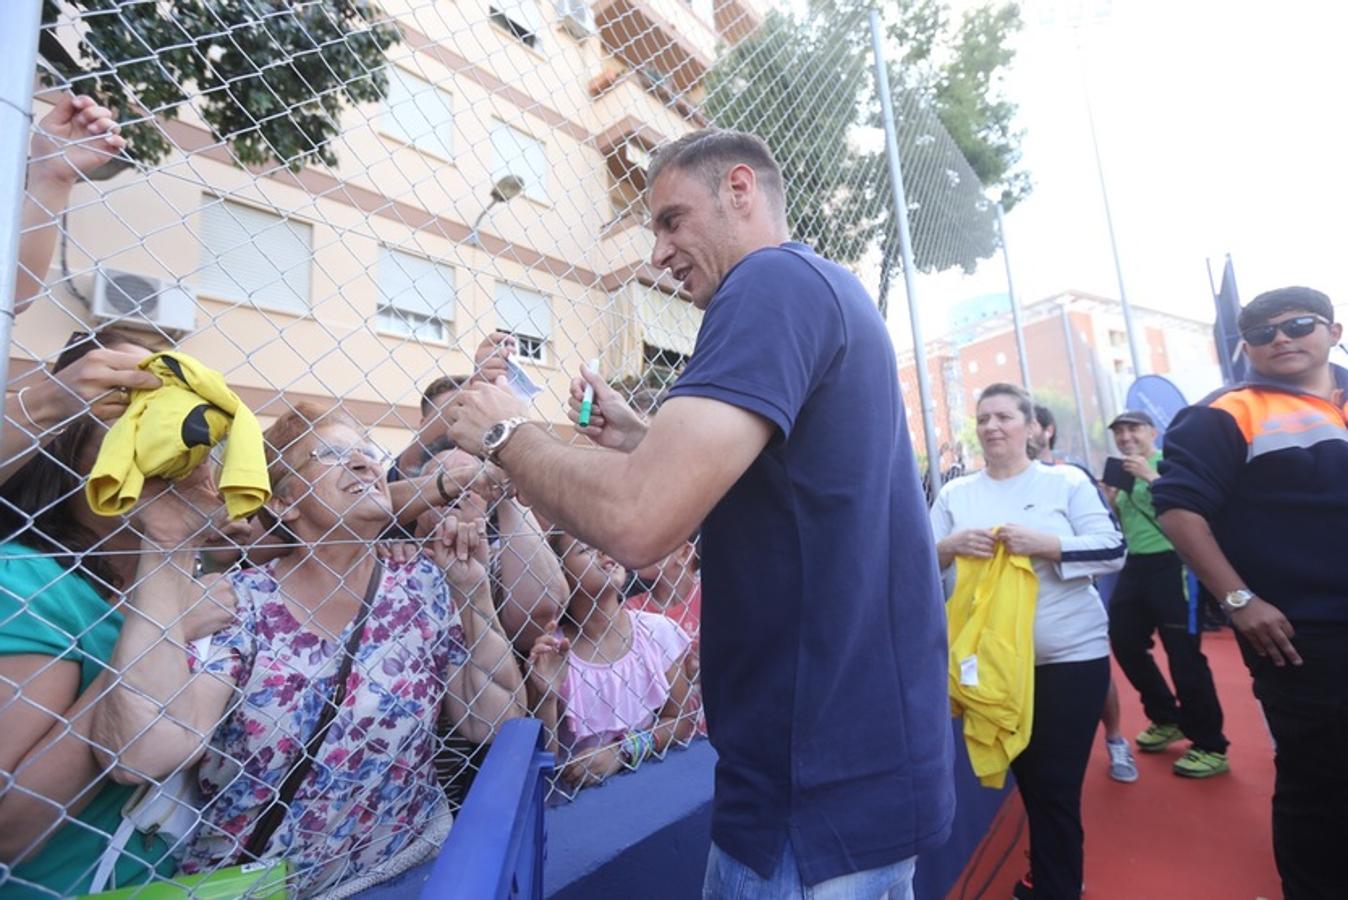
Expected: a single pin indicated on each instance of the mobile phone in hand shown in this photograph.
(1116, 476)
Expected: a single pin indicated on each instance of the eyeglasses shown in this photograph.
(1295, 327)
(338, 455)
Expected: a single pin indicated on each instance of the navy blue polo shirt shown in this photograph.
(823, 625)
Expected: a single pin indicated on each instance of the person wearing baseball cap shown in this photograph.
(1152, 598)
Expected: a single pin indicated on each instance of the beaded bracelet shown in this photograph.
(637, 746)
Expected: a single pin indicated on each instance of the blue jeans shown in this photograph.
(728, 879)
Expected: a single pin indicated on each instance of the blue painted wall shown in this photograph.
(640, 835)
(646, 835)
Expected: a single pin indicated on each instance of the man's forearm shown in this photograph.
(589, 493)
(1196, 545)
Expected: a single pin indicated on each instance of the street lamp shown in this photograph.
(506, 188)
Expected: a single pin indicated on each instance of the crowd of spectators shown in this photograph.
(315, 682)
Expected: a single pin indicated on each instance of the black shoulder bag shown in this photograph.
(275, 813)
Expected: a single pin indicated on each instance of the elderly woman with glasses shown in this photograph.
(422, 637)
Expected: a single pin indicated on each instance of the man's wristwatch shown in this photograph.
(498, 434)
(1237, 599)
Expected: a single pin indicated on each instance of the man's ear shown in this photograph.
(1336, 332)
(742, 182)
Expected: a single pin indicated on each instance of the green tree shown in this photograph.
(269, 77)
(796, 83)
(804, 84)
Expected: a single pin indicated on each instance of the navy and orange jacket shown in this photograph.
(1267, 466)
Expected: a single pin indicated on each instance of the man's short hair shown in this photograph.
(1044, 416)
(711, 152)
(1281, 300)
(442, 385)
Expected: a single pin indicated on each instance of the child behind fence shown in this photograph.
(613, 682)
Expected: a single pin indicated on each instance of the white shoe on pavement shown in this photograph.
(1122, 766)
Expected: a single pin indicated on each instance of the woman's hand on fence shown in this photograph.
(76, 137)
(613, 424)
(547, 660)
(491, 484)
(100, 383)
(593, 768)
(459, 547)
(397, 553)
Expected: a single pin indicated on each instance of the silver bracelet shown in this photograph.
(38, 430)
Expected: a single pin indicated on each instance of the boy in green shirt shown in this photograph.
(1152, 597)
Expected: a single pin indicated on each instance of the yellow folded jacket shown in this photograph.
(991, 627)
(168, 431)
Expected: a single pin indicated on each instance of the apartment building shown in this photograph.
(496, 187)
(980, 348)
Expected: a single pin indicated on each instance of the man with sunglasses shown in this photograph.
(1252, 495)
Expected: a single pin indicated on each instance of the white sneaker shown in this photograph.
(1122, 766)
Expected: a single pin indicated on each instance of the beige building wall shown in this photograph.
(569, 242)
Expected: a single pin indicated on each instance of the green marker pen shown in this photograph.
(587, 399)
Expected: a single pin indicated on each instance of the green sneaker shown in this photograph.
(1157, 737)
(1197, 763)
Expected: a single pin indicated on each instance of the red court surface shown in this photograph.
(1162, 837)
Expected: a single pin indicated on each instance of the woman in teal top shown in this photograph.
(61, 570)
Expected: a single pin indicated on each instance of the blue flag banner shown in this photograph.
(1159, 398)
(1225, 333)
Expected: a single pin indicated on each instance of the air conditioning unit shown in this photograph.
(577, 18)
(139, 301)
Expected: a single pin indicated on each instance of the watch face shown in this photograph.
(493, 435)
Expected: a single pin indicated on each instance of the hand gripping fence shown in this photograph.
(338, 204)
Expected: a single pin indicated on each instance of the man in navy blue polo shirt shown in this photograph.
(823, 638)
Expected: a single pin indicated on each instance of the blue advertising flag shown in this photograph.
(1159, 398)
(1225, 333)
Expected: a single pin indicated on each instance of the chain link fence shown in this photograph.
(333, 214)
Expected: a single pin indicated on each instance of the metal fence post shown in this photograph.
(1127, 308)
(1076, 382)
(1015, 304)
(18, 55)
(906, 248)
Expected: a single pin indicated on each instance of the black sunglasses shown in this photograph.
(1296, 327)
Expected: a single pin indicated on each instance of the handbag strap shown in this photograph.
(275, 813)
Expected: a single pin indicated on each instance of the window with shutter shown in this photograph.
(528, 316)
(254, 256)
(418, 113)
(416, 296)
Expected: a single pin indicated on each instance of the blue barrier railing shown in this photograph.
(496, 849)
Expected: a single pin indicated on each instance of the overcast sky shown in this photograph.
(1221, 130)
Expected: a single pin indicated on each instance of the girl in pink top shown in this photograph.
(612, 682)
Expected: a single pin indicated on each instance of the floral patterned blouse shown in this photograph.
(373, 786)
